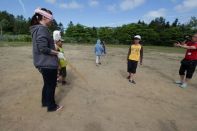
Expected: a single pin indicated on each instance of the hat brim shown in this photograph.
(136, 38)
(61, 39)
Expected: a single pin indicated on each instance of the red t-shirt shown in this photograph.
(191, 54)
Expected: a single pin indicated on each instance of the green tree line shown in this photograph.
(157, 32)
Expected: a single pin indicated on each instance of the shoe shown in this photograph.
(132, 81)
(128, 77)
(178, 82)
(184, 85)
(64, 82)
(58, 108)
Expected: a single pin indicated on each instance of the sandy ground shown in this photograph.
(107, 103)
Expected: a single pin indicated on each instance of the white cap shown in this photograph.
(137, 37)
(57, 36)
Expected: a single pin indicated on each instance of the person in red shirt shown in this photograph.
(188, 64)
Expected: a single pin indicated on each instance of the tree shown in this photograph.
(193, 23)
(175, 23)
(158, 24)
(3, 23)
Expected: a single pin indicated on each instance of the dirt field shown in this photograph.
(107, 103)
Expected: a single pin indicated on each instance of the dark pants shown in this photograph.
(48, 91)
(188, 67)
(132, 66)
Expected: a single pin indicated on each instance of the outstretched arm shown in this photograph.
(188, 47)
(185, 46)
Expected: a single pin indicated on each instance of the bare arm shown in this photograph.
(188, 47)
(141, 54)
(185, 46)
(129, 52)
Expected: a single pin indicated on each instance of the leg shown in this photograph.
(50, 79)
(182, 78)
(132, 76)
(133, 71)
(97, 59)
(182, 74)
(64, 73)
(190, 71)
(128, 77)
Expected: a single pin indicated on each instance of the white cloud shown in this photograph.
(93, 3)
(156, 13)
(51, 1)
(130, 4)
(71, 5)
(186, 5)
(153, 14)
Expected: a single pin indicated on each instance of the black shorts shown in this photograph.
(132, 66)
(63, 72)
(189, 67)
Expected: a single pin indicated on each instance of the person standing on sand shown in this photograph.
(62, 62)
(135, 54)
(189, 63)
(45, 58)
(98, 52)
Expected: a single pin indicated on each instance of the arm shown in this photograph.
(129, 52)
(141, 55)
(188, 47)
(185, 46)
(42, 42)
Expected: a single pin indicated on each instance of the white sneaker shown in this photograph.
(184, 85)
(178, 82)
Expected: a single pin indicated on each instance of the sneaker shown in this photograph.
(64, 82)
(178, 82)
(132, 81)
(184, 85)
(58, 108)
(128, 77)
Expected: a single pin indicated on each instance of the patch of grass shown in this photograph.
(153, 48)
(14, 44)
(164, 49)
(146, 48)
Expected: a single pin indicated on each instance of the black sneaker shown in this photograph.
(64, 82)
(132, 81)
(58, 108)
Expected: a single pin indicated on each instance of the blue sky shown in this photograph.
(105, 12)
